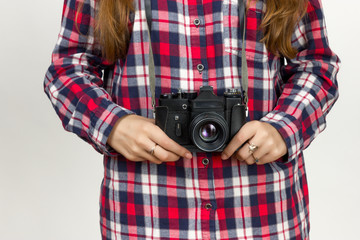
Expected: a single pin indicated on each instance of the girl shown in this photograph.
(154, 188)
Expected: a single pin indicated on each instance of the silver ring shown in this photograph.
(252, 148)
(152, 150)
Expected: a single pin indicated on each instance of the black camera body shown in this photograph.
(204, 122)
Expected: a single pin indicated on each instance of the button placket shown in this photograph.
(205, 161)
(208, 206)
(197, 22)
(200, 67)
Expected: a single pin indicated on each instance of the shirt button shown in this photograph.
(197, 22)
(205, 161)
(200, 67)
(208, 206)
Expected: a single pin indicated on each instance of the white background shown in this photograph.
(50, 179)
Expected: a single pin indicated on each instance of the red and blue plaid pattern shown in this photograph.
(189, 199)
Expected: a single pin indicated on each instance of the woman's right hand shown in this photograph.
(134, 136)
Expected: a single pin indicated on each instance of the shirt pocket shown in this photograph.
(233, 34)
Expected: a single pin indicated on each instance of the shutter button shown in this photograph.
(208, 206)
(197, 22)
(200, 68)
(205, 161)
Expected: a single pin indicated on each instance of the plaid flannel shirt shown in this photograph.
(192, 198)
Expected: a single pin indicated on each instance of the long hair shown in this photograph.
(278, 24)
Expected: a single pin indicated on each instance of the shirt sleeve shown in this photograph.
(310, 87)
(74, 82)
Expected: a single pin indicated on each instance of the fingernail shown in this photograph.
(224, 157)
(188, 155)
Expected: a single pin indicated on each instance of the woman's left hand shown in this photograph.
(271, 145)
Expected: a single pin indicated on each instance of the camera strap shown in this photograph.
(244, 67)
(151, 55)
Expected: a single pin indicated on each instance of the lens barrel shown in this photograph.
(209, 131)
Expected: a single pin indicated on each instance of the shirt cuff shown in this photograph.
(290, 129)
(103, 119)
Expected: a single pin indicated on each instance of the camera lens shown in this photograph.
(208, 132)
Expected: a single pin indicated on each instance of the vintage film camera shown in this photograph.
(204, 122)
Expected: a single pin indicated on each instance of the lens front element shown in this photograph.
(209, 131)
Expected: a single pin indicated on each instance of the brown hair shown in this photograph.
(278, 24)
(280, 19)
(111, 27)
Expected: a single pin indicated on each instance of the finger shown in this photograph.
(144, 147)
(152, 158)
(149, 149)
(244, 152)
(141, 158)
(250, 156)
(164, 156)
(150, 154)
(265, 153)
(258, 154)
(149, 158)
(252, 160)
(238, 141)
(139, 150)
(159, 137)
(154, 152)
(268, 158)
